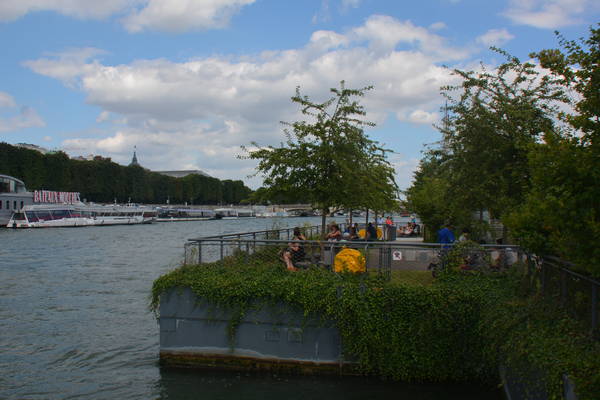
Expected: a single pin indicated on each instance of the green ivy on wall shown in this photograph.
(459, 328)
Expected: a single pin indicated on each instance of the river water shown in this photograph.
(75, 324)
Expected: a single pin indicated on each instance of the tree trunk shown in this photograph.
(324, 221)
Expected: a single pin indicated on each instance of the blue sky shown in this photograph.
(189, 81)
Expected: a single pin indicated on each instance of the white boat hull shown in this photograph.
(35, 216)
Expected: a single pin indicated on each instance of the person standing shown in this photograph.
(389, 227)
(371, 232)
(445, 235)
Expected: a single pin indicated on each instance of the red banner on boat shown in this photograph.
(47, 196)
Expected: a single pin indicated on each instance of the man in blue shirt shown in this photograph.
(445, 235)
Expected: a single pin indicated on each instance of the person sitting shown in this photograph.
(298, 235)
(334, 233)
(293, 255)
(417, 229)
(353, 234)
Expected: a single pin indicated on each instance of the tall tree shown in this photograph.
(561, 214)
(493, 121)
(578, 69)
(328, 159)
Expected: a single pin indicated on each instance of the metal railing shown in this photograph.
(380, 256)
(576, 293)
(550, 276)
(277, 234)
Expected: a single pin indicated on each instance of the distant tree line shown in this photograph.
(102, 180)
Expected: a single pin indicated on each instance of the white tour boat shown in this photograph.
(71, 215)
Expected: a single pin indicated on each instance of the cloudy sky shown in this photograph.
(189, 81)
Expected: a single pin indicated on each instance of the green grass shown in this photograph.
(413, 278)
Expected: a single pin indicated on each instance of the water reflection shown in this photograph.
(183, 384)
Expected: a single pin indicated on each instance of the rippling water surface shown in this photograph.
(74, 321)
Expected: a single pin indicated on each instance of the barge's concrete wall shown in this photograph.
(531, 387)
(193, 333)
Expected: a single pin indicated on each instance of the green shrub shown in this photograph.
(458, 328)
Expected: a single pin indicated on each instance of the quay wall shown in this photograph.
(196, 334)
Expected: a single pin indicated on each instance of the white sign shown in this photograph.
(397, 255)
(47, 196)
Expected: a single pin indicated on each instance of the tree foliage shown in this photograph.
(561, 214)
(327, 159)
(495, 119)
(481, 163)
(102, 180)
(508, 148)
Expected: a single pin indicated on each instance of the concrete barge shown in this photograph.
(274, 338)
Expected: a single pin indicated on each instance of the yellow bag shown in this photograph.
(349, 260)
(363, 233)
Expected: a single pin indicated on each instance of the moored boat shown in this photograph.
(245, 213)
(226, 213)
(71, 215)
(13, 197)
(184, 214)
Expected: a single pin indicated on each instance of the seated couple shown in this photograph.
(335, 234)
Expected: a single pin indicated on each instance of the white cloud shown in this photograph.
(138, 15)
(437, 26)
(14, 9)
(405, 169)
(549, 14)
(67, 66)
(199, 111)
(385, 33)
(26, 118)
(104, 116)
(495, 37)
(183, 15)
(6, 100)
(419, 117)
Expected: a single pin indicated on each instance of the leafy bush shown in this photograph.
(458, 328)
(540, 342)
